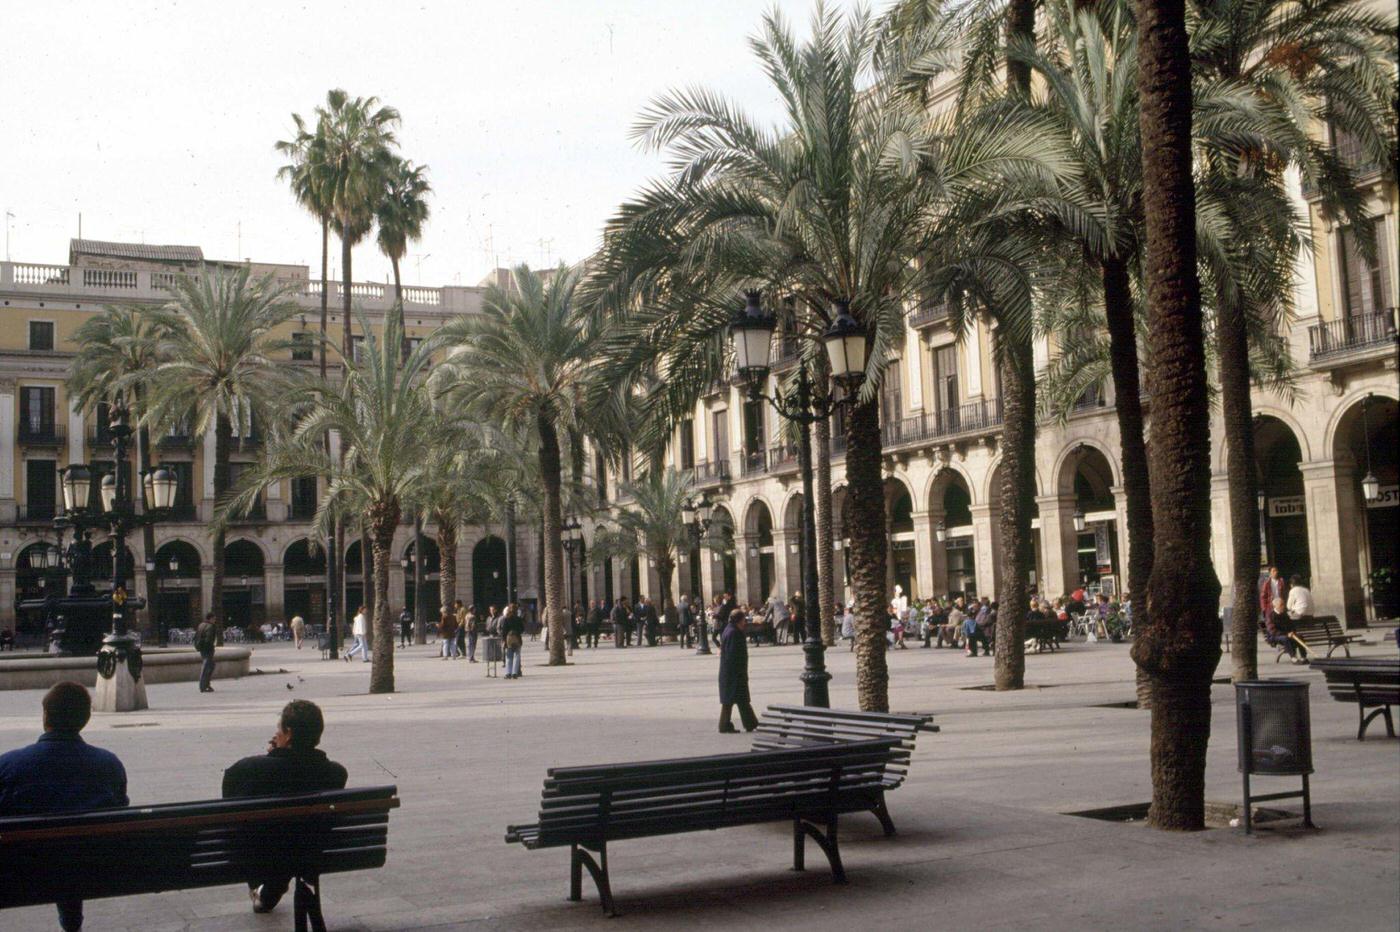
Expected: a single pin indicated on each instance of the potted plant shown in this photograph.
(1385, 597)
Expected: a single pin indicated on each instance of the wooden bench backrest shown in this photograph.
(175, 846)
(1375, 680)
(794, 726)
(1319, 629)
(660, 797)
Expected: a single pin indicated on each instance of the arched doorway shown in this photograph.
(796, 546)
(432, 569)
(243, 584)
(355, 582)
(32, 583)
(1366, 453)
(722, 532)
(1087, 479)
(1284, 520)
(102, 566)
(304, 581)
(177, 595)
(758, 531)
(900, 560)
(952, 494)
(489, 573)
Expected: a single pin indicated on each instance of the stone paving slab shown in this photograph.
(982, 842)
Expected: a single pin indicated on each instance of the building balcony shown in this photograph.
(716, 473)
(1351, 339)
(782, 457)
(41, 435)
(789, 352)
(928, 313)
(175, 441)
(969, 420)
(754, 462)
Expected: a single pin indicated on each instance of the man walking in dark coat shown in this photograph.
(206, 638)
(292, 765)
(620, 623)
(595, 622)
(734, 675)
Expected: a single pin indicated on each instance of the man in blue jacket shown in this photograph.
(62, 773)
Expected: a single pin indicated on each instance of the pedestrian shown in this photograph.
(292, 766)
(734, 675)
(620, 614)
(1300, 599)
(62, 773)
(206, 640)
(298, 626)
(848, 624)
(1272, 587)
(405, 627)
(447, 633)
(1278, 631)
(359, 630)
(459, 614)
(685, 620)
(775, 617)
(797, 613)
(491, 642)
(512, 634)
(473, 624)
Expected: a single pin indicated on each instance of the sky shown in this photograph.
(156, 121)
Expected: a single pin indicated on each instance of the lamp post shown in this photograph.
(751, 336)
(573, 536)
(696, 514)
(1370, 485)
(510, 548)
(420, 618)
(119, 684)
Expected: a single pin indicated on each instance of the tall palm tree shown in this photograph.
(221, 360)
(383, 417)
(1299, 62)
(652, 525)
(118, 343)
(832, 207)
(1179, 647)
(524, 364)
(401, 213)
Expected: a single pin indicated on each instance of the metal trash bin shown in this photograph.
(1275, 739)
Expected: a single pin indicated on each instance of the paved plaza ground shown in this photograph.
(982, 842)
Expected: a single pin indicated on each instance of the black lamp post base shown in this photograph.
(120, 686)
(814, 675)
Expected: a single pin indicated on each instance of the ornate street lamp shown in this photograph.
(1370, 485)
(750, 336)
(572, 538)
(941, 532)
(695, 511)
(1079, 521)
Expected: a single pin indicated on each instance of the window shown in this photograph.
(891, 404)
(103, 431)
(1366, 285)
(721, 446)
(301, 346)
(41, 335)
(357, 349)
(41, 488)
(687, 444)
(600, 471)
(36, 403)
(304, 497)
(184, 487)
(410, 345)
(945, 383)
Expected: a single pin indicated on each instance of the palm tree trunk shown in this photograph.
(223, 441)
(551, 475)
(1017, 500)
(333, 564)
(398, 284)
(1180, 645)
(665, 566)
(447, 555)
(821, 500)
(347, 340)
(867, 532)
(1232, 342)
(383, 519)
(1127, 393)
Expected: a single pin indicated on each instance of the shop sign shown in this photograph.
(1287, 506)
(1389, 497)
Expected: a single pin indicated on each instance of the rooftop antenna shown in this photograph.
(80, 226)
(9, 215)
(418, 265)
(610, 36)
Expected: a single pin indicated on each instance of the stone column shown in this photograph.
(8, 510)
(274, 593)
(77, 437)
(742, 568)
(1058, 545)
(1222, 551)
(984, 550)
(930, 556)
(206, 593)
(1334, 539)
(785, 562)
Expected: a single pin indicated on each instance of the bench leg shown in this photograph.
(1382, 711)
(882, 812)
(827, 840)
(598, 870)
(306, 904)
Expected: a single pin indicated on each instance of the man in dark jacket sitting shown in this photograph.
(292, 765)
(62, 773)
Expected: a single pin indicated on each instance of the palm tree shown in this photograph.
(652, 525)
(401, 213)
(1179, 647)
(382, 414)
(353, 157)
(832, 208)
(1332, 62)
(221, 361)
(118, 343)
(524, 364)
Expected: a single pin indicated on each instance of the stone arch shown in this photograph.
(181, 550)
(303, 557)
(754, 509)
(1220, 452)
(1348, 410)
(792, 511)
(202, 547)
(898, 488)
(990, 491)
(432, 556)
(244, 555)
(938, 482)
(489, 573)
(1069, 460)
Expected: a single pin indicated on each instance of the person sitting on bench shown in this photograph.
(292, 765)
(1277, 630)
(62, 773)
